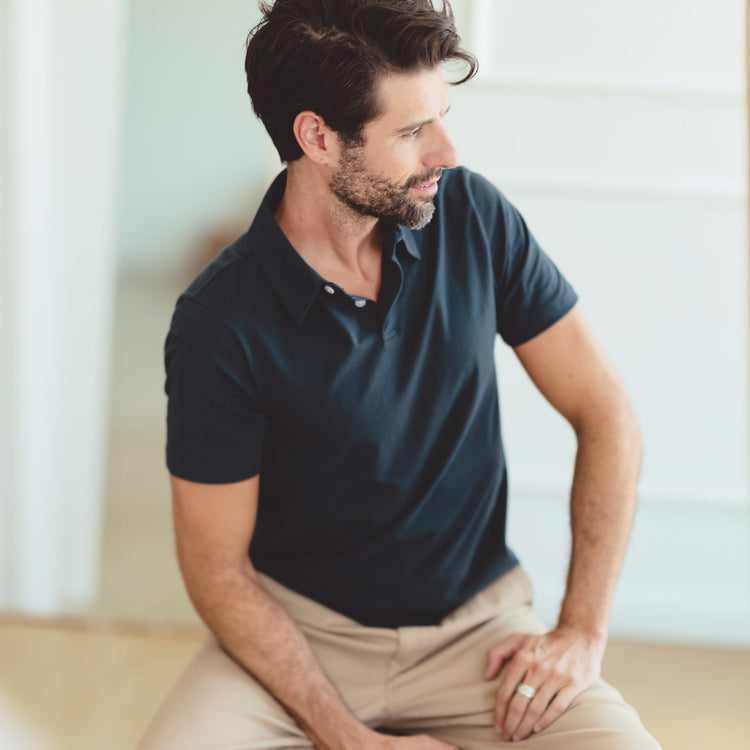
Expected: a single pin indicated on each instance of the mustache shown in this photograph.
(425, 179)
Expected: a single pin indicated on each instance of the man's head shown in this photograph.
(393, 174)
(328, 56)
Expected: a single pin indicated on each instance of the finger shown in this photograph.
(549, 680)
(557, 707)
(535, 709)
(509, 705)
(514, 716)
(515, 672)
(504, 650)
(432, 744)
(421, 742)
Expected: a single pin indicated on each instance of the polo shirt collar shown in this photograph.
(295, 283)
(406, 236)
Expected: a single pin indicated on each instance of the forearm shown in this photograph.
(602, 506)
(260, 636)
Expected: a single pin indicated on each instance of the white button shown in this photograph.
(329, 289)
(360, 302)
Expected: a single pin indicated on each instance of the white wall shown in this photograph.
(619, 131)
(60, 95)
(194, 156)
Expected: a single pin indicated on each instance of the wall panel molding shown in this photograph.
(717, 91)
(637, 138)
(481, 14)
(686, 576)
(666, 493)
(617, 185)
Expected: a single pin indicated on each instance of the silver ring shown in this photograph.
(526, 690)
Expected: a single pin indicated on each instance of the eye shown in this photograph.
(412, 134)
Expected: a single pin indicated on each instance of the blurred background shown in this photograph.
(129, 155)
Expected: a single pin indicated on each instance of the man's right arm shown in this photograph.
(214, 524)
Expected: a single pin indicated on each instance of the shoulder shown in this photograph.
(470, 206)
(222, 275)
(468, 196)
(470, 188)
(230, 287)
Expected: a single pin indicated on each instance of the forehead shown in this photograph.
(412, 97)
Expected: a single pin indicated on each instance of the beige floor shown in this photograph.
(91, 683)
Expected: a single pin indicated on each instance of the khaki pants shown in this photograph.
(412, 679)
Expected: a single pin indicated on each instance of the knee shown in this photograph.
(610, 722)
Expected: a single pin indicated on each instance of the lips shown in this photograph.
(429, 186)
(429, 182)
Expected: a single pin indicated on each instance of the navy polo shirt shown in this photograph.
(375, 426)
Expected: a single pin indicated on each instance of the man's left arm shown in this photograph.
(571, 370)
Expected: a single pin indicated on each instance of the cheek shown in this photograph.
(408, 170)
(397, 164)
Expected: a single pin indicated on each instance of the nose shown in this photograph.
(442, 153)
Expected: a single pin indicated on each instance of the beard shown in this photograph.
(370, 194)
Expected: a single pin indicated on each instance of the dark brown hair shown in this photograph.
(326, 55)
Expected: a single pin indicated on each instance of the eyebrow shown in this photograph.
(417, 125)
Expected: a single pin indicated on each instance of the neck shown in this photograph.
(340, 244)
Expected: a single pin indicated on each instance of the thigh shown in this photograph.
(440, 670)
(217, 705)
(440, 686)
(598, 719)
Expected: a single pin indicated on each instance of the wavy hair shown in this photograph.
(326, 56)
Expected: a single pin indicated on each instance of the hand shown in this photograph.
(558, 665)
(414, 742)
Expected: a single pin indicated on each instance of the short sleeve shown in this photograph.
(215, 425)
(530, 292)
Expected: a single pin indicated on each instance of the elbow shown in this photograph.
(209, 581)
(614, 422)
(632, 437)
(629, 427)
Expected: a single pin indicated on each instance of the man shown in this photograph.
(333, 409)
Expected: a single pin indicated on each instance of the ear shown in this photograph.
(315, 138)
